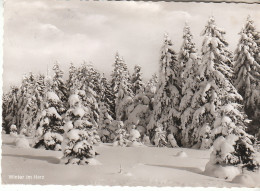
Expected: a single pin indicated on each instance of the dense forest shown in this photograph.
(196, 100)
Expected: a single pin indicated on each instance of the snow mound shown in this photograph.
(146, 140)
(182, 154)
(134, 144)
(22, 143)
(224, 172)
(93, 162)
(245, 180)
(13, 134)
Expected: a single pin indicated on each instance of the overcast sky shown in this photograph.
(38, 33)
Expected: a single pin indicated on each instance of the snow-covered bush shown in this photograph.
(22, 142)
(134, 137)
(159, 138)
(80, 134)
(49, 128)
(13, 130)
(120, 134)
(233, 150)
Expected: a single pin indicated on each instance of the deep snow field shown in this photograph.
(121, 166)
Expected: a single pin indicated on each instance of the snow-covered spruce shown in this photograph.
(31, 102)
(247, 73)
(106, 96)
(124, 99)
(189, 63)
(216, 98)
(80, 135)
(137, 81)
(120, 135)
(167, 98)
(86, 83)
(139, 113)
(121, 88)
(105, 121)
(58, 84)
(10, 109)
(28, 107)
(49, 128)
(231, 154)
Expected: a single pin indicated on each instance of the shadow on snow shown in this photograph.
(48, 159)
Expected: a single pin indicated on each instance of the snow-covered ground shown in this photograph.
(127, 166)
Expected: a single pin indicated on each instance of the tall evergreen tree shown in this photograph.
(73, 79)
(216, 103)
(119, 73)
(86, 93)
(49, 128)
(247, 72)
(28, 108)
(106, 95)
(189, 62)
(79, 135)
(167, 98)
(58, 84)
(124, 98)
(10, 108)
(137, 80)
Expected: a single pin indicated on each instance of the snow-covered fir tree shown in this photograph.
(106, 95)
(28, 104)
(139, 113)
(58, 84)
(73, 79)
(120, 73)
(85, 90)
(80, 135)
(137, 80)
(234, 150)
(167, 98)
(189, 62)
(247, 72)
(49, 128)
(120, 134)
(123, 100)
(10, 109)
(105, 121)
(216, 103)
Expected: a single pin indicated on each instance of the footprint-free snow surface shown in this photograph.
(123, 166)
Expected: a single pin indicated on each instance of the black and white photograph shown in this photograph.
(131, 93)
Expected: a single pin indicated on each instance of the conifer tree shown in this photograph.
(137, 81)
(49, 128)
(104, 122)
(189, 62)
(247, 72)
(123, 100)
(27, 104)
(217, 104)
(79, 134)
(73, 79)
(86, 93)
(58, 84)
(167, 98)
(106, 95)
(120, 73)
(10, 109)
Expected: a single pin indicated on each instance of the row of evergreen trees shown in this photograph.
(197, 98)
